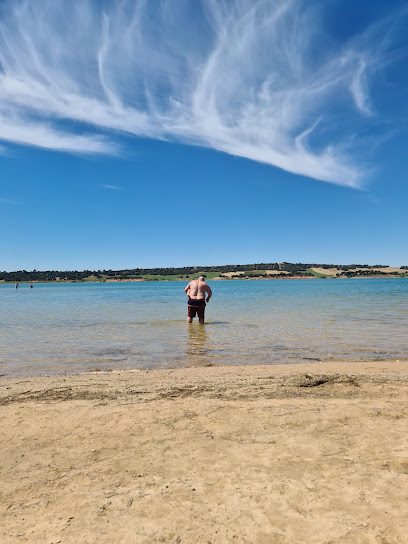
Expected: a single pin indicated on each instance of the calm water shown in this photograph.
(72, 327)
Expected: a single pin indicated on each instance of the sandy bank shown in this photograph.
(312, 453)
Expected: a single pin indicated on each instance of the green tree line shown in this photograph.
(187, 271)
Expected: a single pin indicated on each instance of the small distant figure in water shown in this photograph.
(31, 286)
(196, 291)
(16, 286)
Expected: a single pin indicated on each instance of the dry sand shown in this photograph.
(314, 453)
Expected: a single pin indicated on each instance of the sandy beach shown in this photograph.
(310, 453)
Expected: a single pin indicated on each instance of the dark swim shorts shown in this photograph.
(196, 307)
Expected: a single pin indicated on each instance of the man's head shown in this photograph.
(202, 278)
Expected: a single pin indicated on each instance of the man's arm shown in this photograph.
(209, 292)
(187, 289)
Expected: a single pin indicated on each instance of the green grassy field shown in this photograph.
(316, 274)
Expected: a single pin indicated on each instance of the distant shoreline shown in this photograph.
(262, 278)
(260, 271)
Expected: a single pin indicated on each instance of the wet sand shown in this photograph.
(311, 453)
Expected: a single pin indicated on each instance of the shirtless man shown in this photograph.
(196, 291)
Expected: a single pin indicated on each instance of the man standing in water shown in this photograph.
(196, 291)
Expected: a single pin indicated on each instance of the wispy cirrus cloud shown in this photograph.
(112, 187)
(28, 131)
(8, 201)
(242, 77)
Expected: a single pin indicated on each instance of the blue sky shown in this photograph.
(143, 134)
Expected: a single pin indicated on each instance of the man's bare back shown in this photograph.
(196, 291)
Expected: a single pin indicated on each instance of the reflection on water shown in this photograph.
(197, 349)
(72, 327)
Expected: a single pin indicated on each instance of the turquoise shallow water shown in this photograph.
(87, 326)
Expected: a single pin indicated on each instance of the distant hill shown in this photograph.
(224, 272)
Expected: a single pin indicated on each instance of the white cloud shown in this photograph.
(42, 134)
(112, 187)
(8, 201)
(358, 90)
(241, 77)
